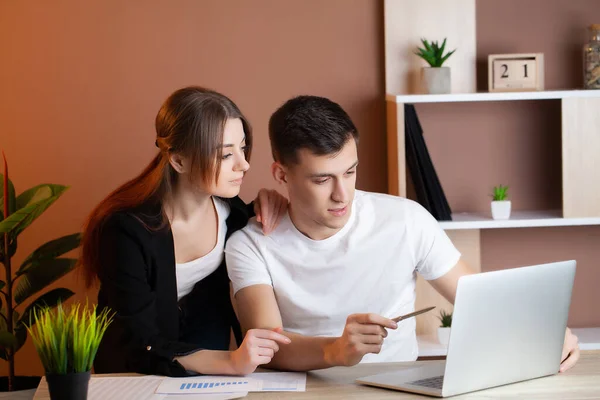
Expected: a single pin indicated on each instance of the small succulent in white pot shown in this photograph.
(500, 205)
(444, 329)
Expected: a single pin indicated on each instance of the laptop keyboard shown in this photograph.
(436, 382)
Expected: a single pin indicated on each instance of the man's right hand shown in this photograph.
(363, 334)
(259, 347)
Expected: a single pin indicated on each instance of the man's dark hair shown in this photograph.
(309, 122)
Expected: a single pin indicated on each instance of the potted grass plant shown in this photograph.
(435, 79)
(444, 329)
(500, 203)
(66, 342)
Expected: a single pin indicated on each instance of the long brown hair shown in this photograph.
(190, 123)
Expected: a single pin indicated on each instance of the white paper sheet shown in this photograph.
(257, 382)
(143, 388)
(280, 381)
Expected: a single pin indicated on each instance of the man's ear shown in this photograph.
(279, 173)
(178, 163)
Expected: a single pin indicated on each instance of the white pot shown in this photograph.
(436, 80)
(444, 335)
(501, 209)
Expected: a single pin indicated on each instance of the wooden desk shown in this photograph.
(581, 382)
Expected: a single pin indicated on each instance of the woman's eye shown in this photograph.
(226, 156)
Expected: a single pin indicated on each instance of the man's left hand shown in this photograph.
(571, 352)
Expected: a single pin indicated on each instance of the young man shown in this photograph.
(341, 262)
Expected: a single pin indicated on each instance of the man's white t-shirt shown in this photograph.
(192, 272)
(368, 266)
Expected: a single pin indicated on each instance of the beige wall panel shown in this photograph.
(581, 157)
(406, 21)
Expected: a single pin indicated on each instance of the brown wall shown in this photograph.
(82, 81)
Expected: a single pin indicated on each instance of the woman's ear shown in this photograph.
(178, 163)
(279, 173)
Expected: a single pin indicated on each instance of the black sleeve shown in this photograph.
(250, 209)
(133, 342)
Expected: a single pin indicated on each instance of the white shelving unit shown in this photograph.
(580, 138)
(496, 96)
(518, 219)
(589, 338)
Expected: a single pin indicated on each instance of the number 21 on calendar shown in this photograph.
(515, 72)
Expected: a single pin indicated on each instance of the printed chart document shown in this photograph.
(143, 387)
(257, 382)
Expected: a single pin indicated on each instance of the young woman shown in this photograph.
(156, 245)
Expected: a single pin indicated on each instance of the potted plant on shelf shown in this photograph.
(67, 342)
(444, 328)
(435, 79)
(500, 204)
(41, 268)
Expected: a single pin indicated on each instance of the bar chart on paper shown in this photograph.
(257, 382)
(206, 385)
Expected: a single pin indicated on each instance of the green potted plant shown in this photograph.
(66, 342)
(500, 205)
(41, 268)
(444, 328)
(435, 79)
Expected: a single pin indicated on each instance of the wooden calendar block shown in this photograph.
(515, 72)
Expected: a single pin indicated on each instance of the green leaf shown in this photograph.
(434, 53)
(33, 195)
(50, 250)
(443, 46)
(41, 275)
(7, 339)
(426, 44)
(446, 57)
(12, 205)
(24, 216)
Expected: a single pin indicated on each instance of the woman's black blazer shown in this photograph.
(138, 282)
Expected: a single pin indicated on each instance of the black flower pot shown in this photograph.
(69, 386)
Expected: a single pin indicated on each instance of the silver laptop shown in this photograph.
(508, 326)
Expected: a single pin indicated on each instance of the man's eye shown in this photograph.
(320, 182)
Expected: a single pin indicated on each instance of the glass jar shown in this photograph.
(591, 59)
